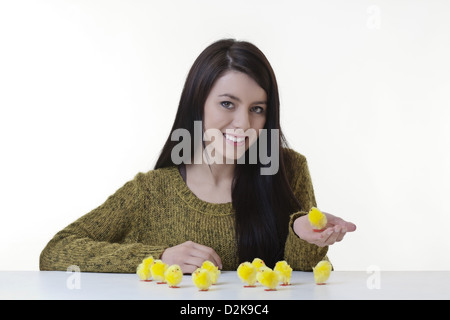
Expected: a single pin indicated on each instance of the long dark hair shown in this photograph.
(262, 203)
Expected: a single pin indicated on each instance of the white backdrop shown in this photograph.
(89, 91)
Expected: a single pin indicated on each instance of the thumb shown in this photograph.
(333, 220)
(350, 226)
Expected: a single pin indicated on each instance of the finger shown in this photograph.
(188, 268)
(208, 253)
(329, 236)
(194, 262)
(350, 226)
(198, 253)
(333, 220)
(335, 235)
(341, 234)
(320, 238)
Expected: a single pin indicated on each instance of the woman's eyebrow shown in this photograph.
(239, 100)
(230, 96)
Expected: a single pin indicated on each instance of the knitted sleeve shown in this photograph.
(95, 242)
(300, 254)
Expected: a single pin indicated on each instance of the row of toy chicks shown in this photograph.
(257, 271)
(203, 277)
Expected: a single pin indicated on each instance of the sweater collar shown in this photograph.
(183, 191)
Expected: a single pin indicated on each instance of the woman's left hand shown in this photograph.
(335, 230)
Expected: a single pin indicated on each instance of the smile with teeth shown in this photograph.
(234, 139)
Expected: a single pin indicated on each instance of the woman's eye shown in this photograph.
(258, 109)
(226, 104)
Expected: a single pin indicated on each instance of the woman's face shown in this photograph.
(235, 111)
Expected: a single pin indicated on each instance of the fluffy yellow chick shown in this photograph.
(247, 273)
(268, 278)
(158, 269)
(213, 270)
(322, 272)
(173, 276)
(317, 219)
(202, 279)
(143, 269)
(258, 263)
(284, 271)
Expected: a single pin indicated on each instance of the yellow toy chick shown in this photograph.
(322, 272)
(258, 263)
(268, 278)
(202, 279)
(143, 269)
(317, 219)
(247, 273)
(213, 270)
(284, 271)
(173, 276)
(158, 269)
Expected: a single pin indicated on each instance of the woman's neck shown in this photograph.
(211, 183)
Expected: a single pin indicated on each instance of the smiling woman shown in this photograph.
(234, 118)
(228, 211)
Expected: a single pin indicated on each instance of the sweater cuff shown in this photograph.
(293, 217)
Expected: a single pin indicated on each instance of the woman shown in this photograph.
(211, 196)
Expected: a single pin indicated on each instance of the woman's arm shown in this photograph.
(299, 253)
(304, 247)
(97, 242)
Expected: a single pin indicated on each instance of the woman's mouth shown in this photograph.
(234, 140)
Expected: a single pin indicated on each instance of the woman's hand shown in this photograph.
(335, 230)
(190, 256)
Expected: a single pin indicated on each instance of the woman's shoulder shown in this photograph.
(157, 178)
(292, 157)
(157, 173)
(295, 165)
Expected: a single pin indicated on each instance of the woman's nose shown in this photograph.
(241, 119)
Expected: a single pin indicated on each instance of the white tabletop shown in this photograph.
(341, 285)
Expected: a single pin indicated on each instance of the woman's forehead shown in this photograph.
(238, 86)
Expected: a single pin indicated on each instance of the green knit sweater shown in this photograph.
(156, 210)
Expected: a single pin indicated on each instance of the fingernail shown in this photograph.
(330, 232)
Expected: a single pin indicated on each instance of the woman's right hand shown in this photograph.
(190, 256)
(335, 231)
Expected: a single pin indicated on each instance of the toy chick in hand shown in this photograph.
(321, 228)
(317, 219)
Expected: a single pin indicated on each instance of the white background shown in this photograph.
(89, 91)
